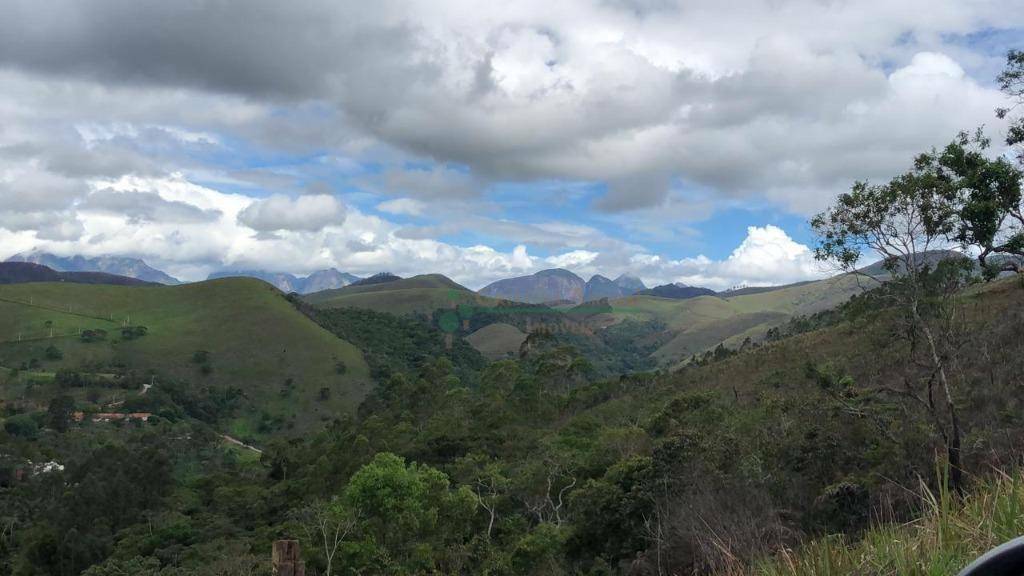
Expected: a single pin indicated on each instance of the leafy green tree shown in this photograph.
(977, 201)
(488, 482)
(22, 425)
(906, 222)
(59, 412)
(539, 553)
(409, 512)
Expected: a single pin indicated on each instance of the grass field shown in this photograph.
(255, 338)
(497, 341)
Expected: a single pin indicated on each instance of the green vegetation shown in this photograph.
(393, 344)
(419, 294)
(252, 339)
(531, 466)
(950, 534)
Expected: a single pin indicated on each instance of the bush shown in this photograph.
(133, 332)
(23, 426)
(93, 335)
(53, 353)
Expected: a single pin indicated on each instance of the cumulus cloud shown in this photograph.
(574, 259)
(766, 256)
(139, 205)
(436, 110)
(405, 206)
(305, 213)
(737, 97)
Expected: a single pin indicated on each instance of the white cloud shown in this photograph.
(405, 206)
(309, 213)
(574, 259)
(454, 103)
(767, 256)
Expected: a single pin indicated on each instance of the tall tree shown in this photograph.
(907, 224)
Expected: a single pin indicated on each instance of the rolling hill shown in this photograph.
(250, 336)
(419, 294)
(699, 323)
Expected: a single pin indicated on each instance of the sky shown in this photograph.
(679, 141)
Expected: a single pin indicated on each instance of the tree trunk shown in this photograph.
(953, 439)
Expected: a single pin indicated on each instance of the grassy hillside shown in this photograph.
(419, 294)
(698, 324)
(253, 337)
(498, 340)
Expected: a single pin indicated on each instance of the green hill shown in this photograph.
(250, 336)
(698, 324)
(418, 294)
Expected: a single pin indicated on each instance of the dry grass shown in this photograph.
(951, 533)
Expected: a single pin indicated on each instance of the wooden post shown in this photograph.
(285, 559)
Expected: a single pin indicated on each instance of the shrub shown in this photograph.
(23, 426)
(93, 335)
(133, 332)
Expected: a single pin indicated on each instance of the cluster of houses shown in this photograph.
(80, 416)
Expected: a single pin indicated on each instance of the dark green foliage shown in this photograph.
(202, 358)
(133, 332)
(977, 201)
(53, 353)
(59, 412)
(394, 344)
(93, 335)
(22, 425)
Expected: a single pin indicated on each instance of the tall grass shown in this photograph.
(951, 533)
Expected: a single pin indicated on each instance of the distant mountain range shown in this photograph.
(317, 281)
(117, 265)
(677, 291)
(561, 286)
(22, 272)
